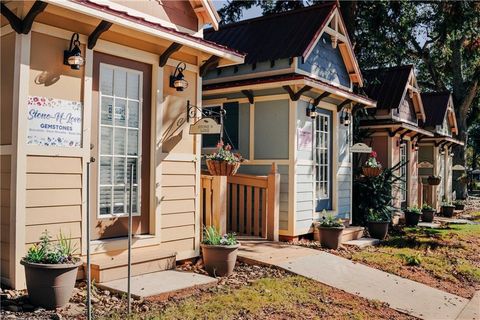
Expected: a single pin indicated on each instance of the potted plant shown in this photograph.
(219, 252)
(223, 162)
(412, 216)
(459, 204)
(448, 209)
(372, 168)
(428, 213)
(434, 180)
(51, 271)
(464, 179)
(331, 230)
(377, 223)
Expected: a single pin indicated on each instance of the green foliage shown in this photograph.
(224, 153)
(211, 236)
(329, 221)
(414, 209)
(374, 216)
(458, 202)
(427, 207)
(48, 253)
(375, 193)
(412, 260)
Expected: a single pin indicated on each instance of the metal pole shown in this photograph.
(130, 210)
(89, 303)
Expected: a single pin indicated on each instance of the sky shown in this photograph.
(247, 14)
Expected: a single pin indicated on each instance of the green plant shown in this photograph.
(224, 153)
(414, 209)
(372, 161)
(375, 193)
(48, 253)
(412, 260)
(446, 203)
(211, 236)
(458, 202)
(374, 216)
(329, 221)
(427, 207)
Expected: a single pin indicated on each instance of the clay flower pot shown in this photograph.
(50, 285)
(222, 168)
(428, 215)
(330, 237)
(412, 218)
(219, 261)
(448, 211)
(378, 229)
(434, 181)
(371, 172)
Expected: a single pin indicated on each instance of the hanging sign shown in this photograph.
(360, 148)
(304, 138)
(205, 126)
(425, 165)
(458, 167)
(54, 122)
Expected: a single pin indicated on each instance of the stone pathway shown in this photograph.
(401, 294)
(472, 309)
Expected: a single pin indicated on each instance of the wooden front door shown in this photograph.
(120, 137)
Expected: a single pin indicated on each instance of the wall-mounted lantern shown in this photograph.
(177, 80)
(311, 111)
(73, 56)
(442, 151)
(346, 120)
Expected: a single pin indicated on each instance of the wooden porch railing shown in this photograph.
(245, 204)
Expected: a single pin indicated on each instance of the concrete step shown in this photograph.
(352, 233)
(362, 242)
(113, 265)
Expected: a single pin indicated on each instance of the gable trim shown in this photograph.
(340, 40)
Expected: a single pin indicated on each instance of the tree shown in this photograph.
(473, 146)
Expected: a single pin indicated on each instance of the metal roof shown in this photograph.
(435, 105)
(387, 85)
(274, 36)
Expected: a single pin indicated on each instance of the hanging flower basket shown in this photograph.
(371, 172)
(222, 168)
(434, 181)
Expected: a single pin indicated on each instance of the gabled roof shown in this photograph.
(439, 105)
(288, 35)
(387, 85)
(205, 10)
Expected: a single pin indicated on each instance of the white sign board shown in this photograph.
(360, 148)
(458, 167)
(205, 126)
(304, 138)
(54, 122)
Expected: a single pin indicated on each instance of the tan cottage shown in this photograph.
(116, 108)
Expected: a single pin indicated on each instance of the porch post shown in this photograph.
(219, 203)
(273, 203)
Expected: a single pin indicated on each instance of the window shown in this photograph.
(322, 157)
(403, 172)
(120, 121)
(230, 123)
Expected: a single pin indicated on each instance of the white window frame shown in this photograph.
(327, 163)
(113, 155)
(403, 172)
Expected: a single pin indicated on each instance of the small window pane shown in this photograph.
(132, 142)
(120, 112)
(131, 161)
(105, 200)
(105, 170)
(119, 147)
(133, 115)
(119, 200)
(106, 82)
(134, 199)
(132, 85)
(106, 140)
(119, 171)
(120, 83)
(107, 104)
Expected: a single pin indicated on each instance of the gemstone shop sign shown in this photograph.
(54, 122)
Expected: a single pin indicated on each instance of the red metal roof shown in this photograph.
(158, 26)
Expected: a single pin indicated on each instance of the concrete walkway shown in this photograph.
(401, 294)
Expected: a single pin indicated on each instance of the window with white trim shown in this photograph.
(403, 172)
(120, 121)
(322, 156)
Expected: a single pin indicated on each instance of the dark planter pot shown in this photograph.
(412, 218)
(460, 207)
(434, 181)
(330, 237)
(378, 229)
(219, 261)
(50, 285)
(448, 211)
(428, 215)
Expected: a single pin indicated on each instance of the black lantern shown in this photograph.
(312, 111)
(177, 80)
(346, 120)
(73, 56)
